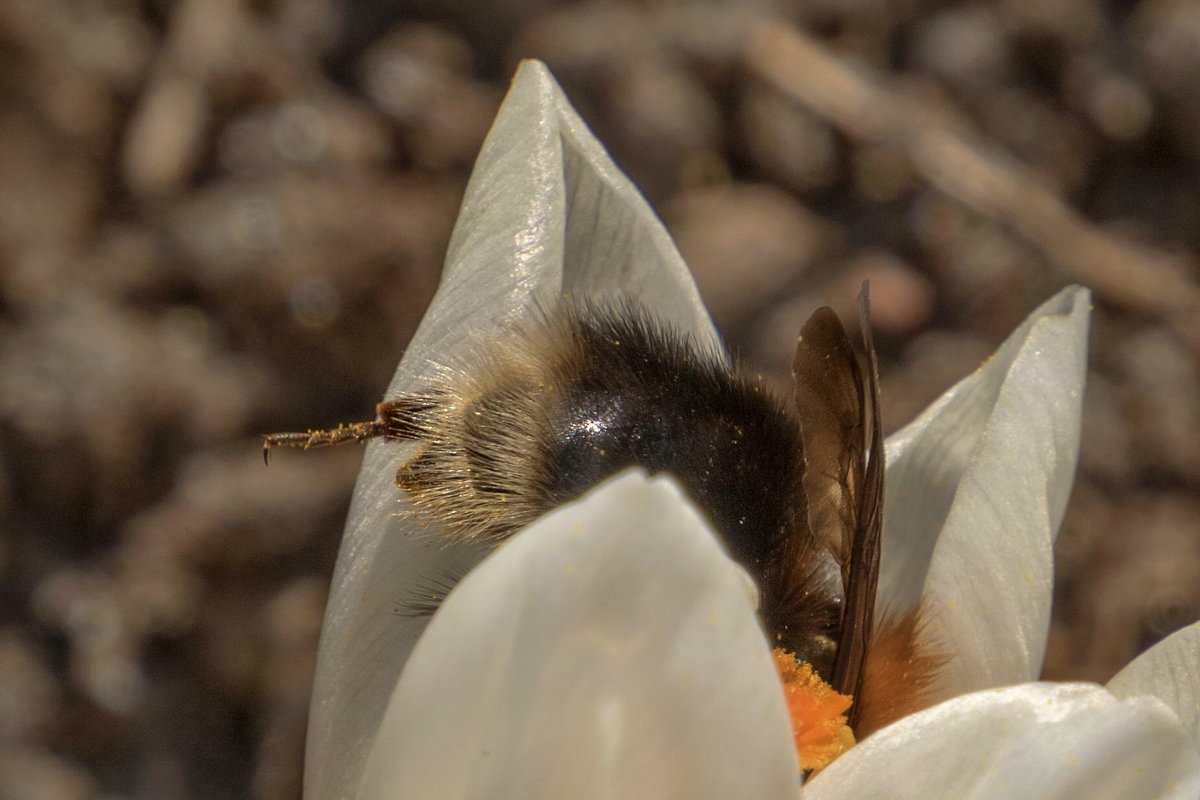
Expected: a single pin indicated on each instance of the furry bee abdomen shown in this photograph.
(636, 396)
(550, 414)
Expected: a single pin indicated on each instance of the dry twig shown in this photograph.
(978, 176)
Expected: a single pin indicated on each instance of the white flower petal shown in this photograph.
(609, 650)
(546, 213)
(1034, 742)
(976, 489)
(1169, 671)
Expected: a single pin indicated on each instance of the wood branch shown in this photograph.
(981, 177)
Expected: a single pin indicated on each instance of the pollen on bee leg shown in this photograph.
(816, 711)
(354, 432)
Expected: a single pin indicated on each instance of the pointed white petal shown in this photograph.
(1169, 671)
(610, 650)
(1034, 742)
(976, 489)
(545, 213)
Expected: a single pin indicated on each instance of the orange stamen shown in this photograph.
(817, 712)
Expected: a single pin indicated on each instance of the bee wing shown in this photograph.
(829, 399)
(837, 398)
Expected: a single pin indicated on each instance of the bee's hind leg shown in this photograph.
(396, 419)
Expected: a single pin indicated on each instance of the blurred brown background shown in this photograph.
(224, 217)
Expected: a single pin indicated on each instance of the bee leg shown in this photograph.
(397, 419)
(356, 432)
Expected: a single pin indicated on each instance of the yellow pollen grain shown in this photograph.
(816, 711)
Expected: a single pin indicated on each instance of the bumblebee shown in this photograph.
(794, 490)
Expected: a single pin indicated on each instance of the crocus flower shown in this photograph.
(611, 649)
